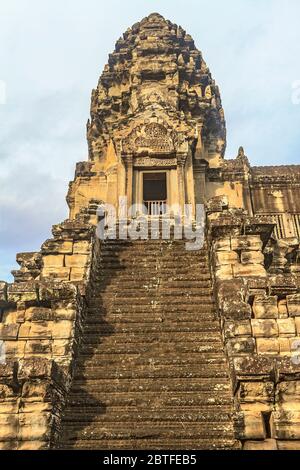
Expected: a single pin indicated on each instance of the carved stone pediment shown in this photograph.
(153, 138)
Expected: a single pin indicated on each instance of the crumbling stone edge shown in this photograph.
(43, 313)
(257, 290)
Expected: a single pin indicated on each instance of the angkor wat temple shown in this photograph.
(140, 343)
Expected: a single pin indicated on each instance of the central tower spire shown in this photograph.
(157, 71)
(156, 109)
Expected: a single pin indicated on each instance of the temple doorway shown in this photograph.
(155, 193)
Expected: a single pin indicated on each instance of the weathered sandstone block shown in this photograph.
(287, 327)
(224, 244)
(77, 274)
(14, 349)
(9, 432)
(224, 272)
(286, 424)
(237, 328)
(54, 246)
(297, 323)
(76, 261)
(232, 309)
(249, 270)
(246, 242)
(288, 445)
(82, 247)
(252, 257)
(282, 309)
(9, 331)
(38, 314)
(250, 425)
(266, 445)
(267, 346)
(23, 292)
(293, 305)
(224, 258)
(284, 346)
(63, 329)
(60, 273)
(256, 392)
(265, 307)
(53, 261)
(240, 346)
(3, 293)
(264, 328)
(61, 348)
(38, 347)
(288, 391)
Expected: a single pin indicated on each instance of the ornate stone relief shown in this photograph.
(154, 162)
(151, 138)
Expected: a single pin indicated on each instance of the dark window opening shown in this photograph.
(267, 422)
(155, 193)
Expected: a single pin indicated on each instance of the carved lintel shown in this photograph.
(145, 162)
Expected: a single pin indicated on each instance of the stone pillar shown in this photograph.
(200, 182)
(128, 159)
(181, 185)
(199, 152)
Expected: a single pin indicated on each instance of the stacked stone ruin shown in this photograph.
(140, 344)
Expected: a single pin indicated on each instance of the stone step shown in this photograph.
(158, 327)
(102, 415)
(93, 344)
(164, 337)
(133, 302)
(149, 430)
(132, 360)
(152, 444)
(152, 372)
(128, 280)
(81, 397)
(107, 273)
(154, 283)
(153, 252)
(202, 311)
(158, 371)
(139, 387)
(151, 263)
(151, 260)
(146, 290)
(204, 322)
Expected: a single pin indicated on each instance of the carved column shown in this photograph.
(200, 182)
(128, 160)
(199, 152)
(181, 159)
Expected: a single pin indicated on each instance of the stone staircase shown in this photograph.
(151, 373)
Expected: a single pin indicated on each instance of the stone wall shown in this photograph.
(40, 331)
(259, 307)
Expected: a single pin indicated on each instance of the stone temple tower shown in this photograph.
(156, 115)
(137, 343)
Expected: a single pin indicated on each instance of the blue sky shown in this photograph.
(52, 53)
